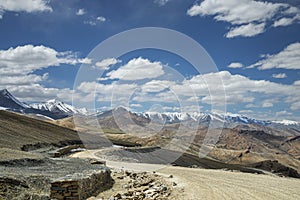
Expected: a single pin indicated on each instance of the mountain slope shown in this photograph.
(51, 109)
(17, 131)
(9, 101)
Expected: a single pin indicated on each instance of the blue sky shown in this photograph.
(254, 44)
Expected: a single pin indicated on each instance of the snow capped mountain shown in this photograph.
(172, 117)
(56, 110)
(7, 100)
(287, 122)
(56, 106)
(52, 109)
(175, 117)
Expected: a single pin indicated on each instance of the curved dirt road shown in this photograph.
(216, 184)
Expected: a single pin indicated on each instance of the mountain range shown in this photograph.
(51, 109)
(55, 109)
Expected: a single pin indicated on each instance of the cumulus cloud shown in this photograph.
(105, 64)
(297, 83)
(23, 79)
(81, 11)
(99, 88)
(267, 105)
(235, 65)
(28, 6)
(289, 58)
(295, 106)
(28, 58)
(156, 86)
(35, 92)
(280, 75)
(137, 69)
(246, 15)
(283, 22)
(239, 90)
(248, 30)
(18, 66)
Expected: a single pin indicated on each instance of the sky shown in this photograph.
(250, 59)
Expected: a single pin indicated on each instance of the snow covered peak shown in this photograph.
(52, 101)
(287, 122)
(56, 106)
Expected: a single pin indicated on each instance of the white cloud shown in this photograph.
(28, 6)
(239, 90)
(94, 21)
(37, 93)
(84, 60)
(251, 105)
(137, 69)
(280, 75)
(90, 22)
(18, 66)
(105, 64)
(289, 58)
(106, 90)
(285, 21)
(267, 105)
(135, 105)
(245, 111)
(248, 30)
(22, 80)
(235, 65)
(297, 83)
(28, 58)
(161, 2)
(81, 11)
(245, 14)
(101, 19)
(283, 113)
(295, 106)
(156, 86)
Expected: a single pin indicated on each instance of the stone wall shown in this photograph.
(80, 185)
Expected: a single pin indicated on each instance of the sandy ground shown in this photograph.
(217, 184)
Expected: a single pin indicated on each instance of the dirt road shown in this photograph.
(218, 184)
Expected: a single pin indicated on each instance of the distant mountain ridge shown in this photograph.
(51, 109)
(56, 106)
(57, 110)
(228, 119)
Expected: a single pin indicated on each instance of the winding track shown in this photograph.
(217, 184)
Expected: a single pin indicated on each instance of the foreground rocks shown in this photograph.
(35, 180)
(131, 185)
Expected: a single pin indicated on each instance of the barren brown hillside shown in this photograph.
(17, 131)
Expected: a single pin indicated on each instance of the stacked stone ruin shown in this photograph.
(80, 185)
